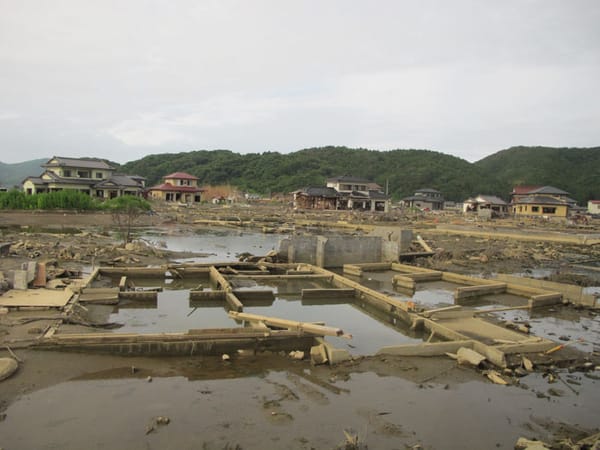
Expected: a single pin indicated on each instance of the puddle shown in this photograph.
(552, 323)
(287, 409)
(221, 245)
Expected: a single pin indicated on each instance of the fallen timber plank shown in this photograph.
(425, 349)
(476, 291)
(219, 280)
(305, 327)
(327, 293)
(123, 283)
(424, 244)
(233, 302)
(431, 312)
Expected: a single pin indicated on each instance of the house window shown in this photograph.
(66, 173)
(83, 174)
(548, 210)
(98, 174)
(535, 209)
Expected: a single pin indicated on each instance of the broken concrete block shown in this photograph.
(30, 267)
(297, 354)
(337, 355)
(20, 279)
(318, 354)
(526, 444)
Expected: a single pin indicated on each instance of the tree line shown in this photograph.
(401, 171)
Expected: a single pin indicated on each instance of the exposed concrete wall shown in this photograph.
(571, 292)
(333, 251)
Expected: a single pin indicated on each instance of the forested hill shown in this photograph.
(14, 174)
(575, 170)
(403, 171)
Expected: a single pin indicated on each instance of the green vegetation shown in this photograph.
(575, 170)
(404, 171)
(67, 199)
(126, 210)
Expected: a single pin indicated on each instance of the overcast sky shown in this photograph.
(124, 79)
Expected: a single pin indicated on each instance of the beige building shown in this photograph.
(91, 176)
(177, 187)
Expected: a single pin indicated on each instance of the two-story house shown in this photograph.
(544, 201)
(91, 176)
(343, 192)
(177, 187)
(425, 199)
(359, 193)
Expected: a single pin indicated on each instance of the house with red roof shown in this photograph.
(177, 187)
(594, 206)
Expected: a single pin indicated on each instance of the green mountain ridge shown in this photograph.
(403, 171)
(576, 170)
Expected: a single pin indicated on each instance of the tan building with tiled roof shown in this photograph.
(91, 176)
(177, 187)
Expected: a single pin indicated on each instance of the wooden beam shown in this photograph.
(233, 302)
(424, 244)
(306, 327)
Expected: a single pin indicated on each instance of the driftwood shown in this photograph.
(307, 327)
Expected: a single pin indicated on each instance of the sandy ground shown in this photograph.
(68, 400)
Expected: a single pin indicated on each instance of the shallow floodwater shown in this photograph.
(175, 312)
(220, 244)
(286, 409)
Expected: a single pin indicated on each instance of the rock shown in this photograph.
(318, 354)
(526, 444)
(149, 379)
(8, 366)
(297, 354)
(225, 357)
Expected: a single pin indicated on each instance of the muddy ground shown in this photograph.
(59, 400)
